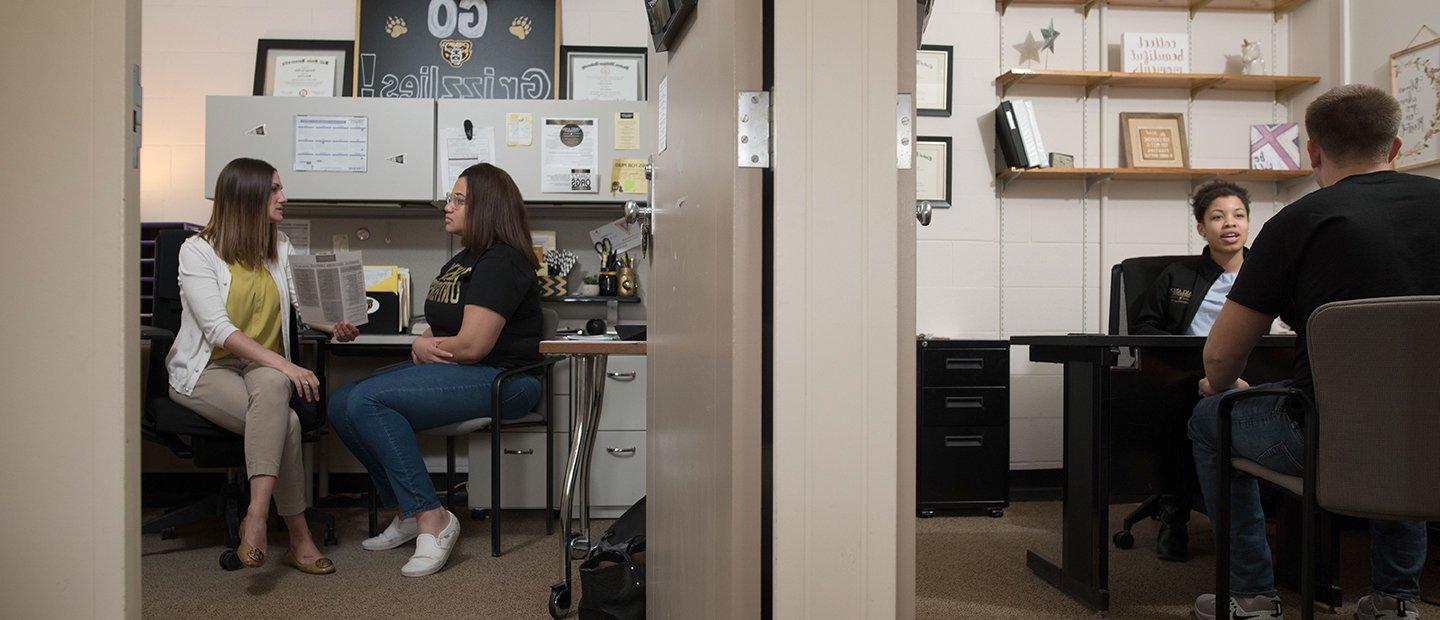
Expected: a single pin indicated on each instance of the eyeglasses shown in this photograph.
(452, 198)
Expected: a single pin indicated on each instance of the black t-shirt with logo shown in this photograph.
(1369, 235)
(501, 279)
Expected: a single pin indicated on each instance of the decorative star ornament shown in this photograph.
(1050, 35)
(1029, 49)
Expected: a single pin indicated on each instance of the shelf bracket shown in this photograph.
(1202, 86)
(1095, 179)
(1197, 5)
(1090, 4)
(1092, 83)
(1008, 178)
(1005, 86)
(1004, 4)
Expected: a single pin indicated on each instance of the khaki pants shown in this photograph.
(254, 401)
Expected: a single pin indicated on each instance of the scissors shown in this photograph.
(605, 249)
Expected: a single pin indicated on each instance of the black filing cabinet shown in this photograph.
(962, 425)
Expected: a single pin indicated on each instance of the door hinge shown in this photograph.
(752, 139)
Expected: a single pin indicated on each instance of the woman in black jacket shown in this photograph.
(1184, 301)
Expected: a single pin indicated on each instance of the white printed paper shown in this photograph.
(569, 157)
(458, 152)
(622, 235)
(662, 105)
(299, 233)
(330, 287)
(519, 129)
(331, 143)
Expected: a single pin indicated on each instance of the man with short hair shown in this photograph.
(1367, 232)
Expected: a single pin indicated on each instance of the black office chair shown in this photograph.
(188, 435)
(1130, 282)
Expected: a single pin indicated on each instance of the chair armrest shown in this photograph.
(155, 333)
(1227, 405)
(500, 379)
(314, 335)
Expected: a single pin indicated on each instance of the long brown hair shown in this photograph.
(495, 212)
(240, 229)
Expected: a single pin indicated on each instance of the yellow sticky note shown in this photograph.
(519, 128)
(627, 132)
(627, 176)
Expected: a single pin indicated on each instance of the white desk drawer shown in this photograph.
(522, 469)
(617, 477)
(625, 381)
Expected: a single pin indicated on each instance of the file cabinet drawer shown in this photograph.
(963, 464)
(964, 367)
(964, 406)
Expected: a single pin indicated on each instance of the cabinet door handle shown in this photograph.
(620, 451)
(964, 402)
(964, 363)
(964, 441)
(621, 376)
(525, 451)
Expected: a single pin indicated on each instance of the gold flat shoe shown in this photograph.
(322, 566)
(250, 556)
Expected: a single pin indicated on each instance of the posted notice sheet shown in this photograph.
(569, 157)
(331, 143)
(461, 152)
(330, 287)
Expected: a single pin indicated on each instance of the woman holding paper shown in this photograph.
(484, 315)
(229, 362)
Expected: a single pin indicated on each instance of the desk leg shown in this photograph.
(589, 394)
(1084, 570)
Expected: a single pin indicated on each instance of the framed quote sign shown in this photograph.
(1415, 83)
(1154, 140)
(456, 49)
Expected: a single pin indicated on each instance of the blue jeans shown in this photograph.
(1263, 431)
(377, 418)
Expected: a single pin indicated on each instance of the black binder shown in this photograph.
(1007, 135)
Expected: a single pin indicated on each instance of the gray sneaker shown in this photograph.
(1381, 607)
(1245, 607)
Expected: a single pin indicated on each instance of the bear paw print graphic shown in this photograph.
(520, 27)
(395, 26)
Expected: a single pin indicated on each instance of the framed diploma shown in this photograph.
(934, 79)
(289, 68)
(932, 170)
(602, 73)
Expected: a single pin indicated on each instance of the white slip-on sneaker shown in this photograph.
(1246, 607)
(432, 551)
(398, 533)
(1381, 607)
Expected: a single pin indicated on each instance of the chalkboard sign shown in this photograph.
(449, 49)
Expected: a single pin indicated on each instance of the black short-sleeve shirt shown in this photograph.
(501, 279)
(1369, 235)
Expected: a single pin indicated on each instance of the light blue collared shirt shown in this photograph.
(1210, 306)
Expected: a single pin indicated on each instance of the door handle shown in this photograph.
(964, 441)
(964, 402)
(525, 451)
(964, 363)
(923, 212)
(620, 451)
(621, 376)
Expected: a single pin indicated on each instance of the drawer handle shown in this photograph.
(964, 363)
(620, 451)
(621, 376)
(964, 441)
(525, 451)
(964, 402)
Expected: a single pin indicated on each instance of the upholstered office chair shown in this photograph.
(1130, 282)
(541, 416)
(188, 435)
(1369, 449)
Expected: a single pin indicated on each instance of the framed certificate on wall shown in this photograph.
(934, 79)
(286, 68)
(602, 73)
(932, 170)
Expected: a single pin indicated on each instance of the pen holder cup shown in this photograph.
(553, 286)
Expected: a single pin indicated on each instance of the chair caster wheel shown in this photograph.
(229, 561)
(1123, 539)
(559, 600)
(167, 534)
(479, 514)
(924, 514)
(996, 513)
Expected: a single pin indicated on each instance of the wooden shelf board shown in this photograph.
(1259, 6)
(1150, 174)
(1195, 82)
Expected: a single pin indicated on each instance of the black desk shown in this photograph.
(1112, 386)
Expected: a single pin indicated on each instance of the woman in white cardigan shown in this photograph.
(230, 361)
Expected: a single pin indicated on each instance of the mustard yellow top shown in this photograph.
(254, 308)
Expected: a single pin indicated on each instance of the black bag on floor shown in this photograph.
(612, 577)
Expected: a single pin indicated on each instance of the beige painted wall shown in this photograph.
(69, 468)
(1379, 33)
(837, 310)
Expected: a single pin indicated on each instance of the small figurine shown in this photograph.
(1251, 56)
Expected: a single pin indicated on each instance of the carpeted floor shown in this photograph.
(968, 567)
